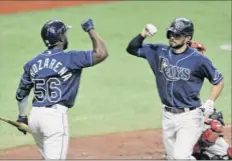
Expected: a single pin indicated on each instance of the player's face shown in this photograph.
(177, 41)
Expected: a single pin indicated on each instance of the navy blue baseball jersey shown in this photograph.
(55, 76)
(179, 77)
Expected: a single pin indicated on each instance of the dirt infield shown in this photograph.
(130, 145)
(7, 7)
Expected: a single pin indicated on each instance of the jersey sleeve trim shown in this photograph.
(91, 57)
(25, 80)
(139, 52)
(217, 81)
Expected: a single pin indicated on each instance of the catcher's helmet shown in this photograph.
(51, 32)
(181, 26)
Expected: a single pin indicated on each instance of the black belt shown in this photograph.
(177, 110)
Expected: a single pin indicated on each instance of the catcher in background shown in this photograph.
(211, 145)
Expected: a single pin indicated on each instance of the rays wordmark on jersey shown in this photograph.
(173, 72)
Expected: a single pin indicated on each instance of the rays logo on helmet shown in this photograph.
(52, 30)
(179, 25)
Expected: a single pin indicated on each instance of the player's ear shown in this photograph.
(188, 38)
(61, 38)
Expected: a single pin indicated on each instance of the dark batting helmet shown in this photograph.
(181, 26)
(51, 32)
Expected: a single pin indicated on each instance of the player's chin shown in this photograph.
(172, 44)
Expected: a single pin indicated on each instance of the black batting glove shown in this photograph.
(22, 119)
(87, 25)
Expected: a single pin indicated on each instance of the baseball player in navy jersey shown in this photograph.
(179, 72)
(55, 76)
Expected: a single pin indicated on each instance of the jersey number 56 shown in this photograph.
(47, 90)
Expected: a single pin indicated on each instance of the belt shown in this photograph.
(177, 110)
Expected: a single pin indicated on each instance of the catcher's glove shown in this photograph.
(199, 46)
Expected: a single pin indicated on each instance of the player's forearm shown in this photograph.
(98, 44)
(22, 106)
(135, 44)
(22, 94)
(216, 90)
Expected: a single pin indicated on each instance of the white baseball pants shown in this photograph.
(181, 132)
(49, 127)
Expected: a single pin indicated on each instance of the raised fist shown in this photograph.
(149, 30)
(87, 25)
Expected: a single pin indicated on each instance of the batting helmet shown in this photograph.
(51, 32)
(181, 26)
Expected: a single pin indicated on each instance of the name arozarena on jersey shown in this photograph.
(52, 64)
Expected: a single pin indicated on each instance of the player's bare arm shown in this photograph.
(208, 106)
(216, 90)
(99, 47)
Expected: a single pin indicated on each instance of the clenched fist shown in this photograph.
(87, 25)
(149, 30)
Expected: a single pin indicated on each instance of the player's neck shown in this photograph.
(180, 50)
(58, 46)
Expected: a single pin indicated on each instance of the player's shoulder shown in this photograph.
(29, 64)
(195, 53)
(79, 53)
(156, 46)
(199, 55)
(34, 59)
(70, 52)
(201, 58)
